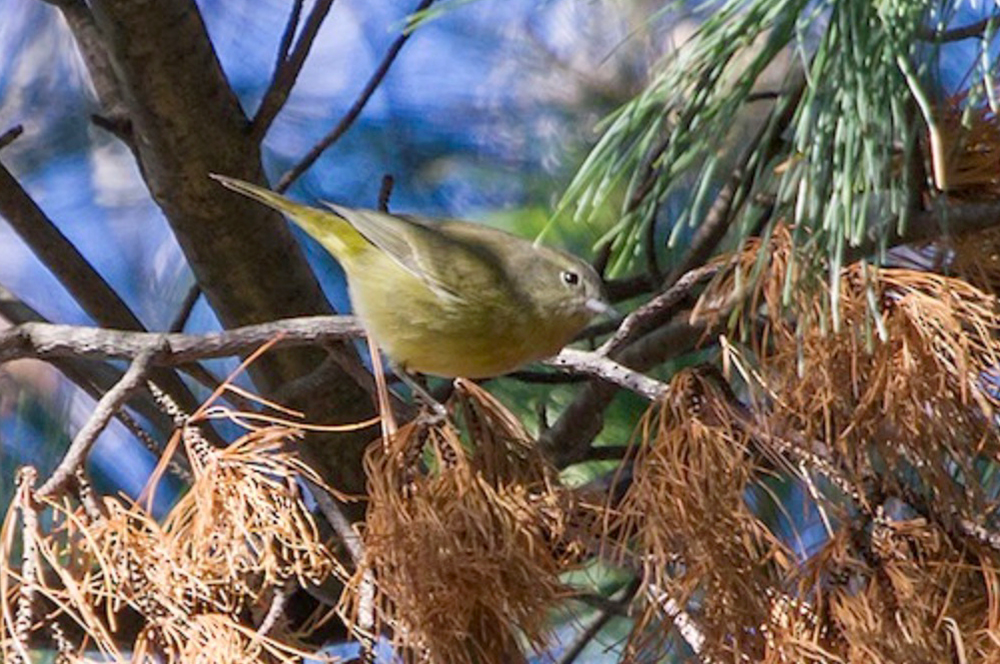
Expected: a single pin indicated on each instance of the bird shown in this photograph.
(449, 298)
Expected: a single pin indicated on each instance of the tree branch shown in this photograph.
(188, 123)
(92, 47)
(184, 311)
(46, 341)
(659, 310)
(287, 69)
(971, 31)
(90, 290)
(353, 112)
(94, 378)
(944, 219)
(10, 135)
(103, 412)
(611, 608)
(738, 187)
(567, 440)
(599, 366)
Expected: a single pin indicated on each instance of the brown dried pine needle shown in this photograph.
(911, 595)
(465, 545)
(897, 402)
(907, 375)
(238, 535)
(685, 524)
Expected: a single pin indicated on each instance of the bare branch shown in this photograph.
(946, 218)
(291, 26)
(599, 366)
(569, 436)
(278, 603)
(85, 491)
(29, 561)
(287, 70)
(46, 341)
(686, 626)
(734, 192)
(971, 31)
(184, 311)
(658, 310)
(90, 42)
(94, 294)
(353, 112)
(103, 412)
(341, 525)
(10, 135)
(94, 378)
(607, 611)
(90, 290)
(568, 440)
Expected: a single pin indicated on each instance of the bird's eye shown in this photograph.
(570, 278)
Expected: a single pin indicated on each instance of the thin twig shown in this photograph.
(685, 624)
(85, 491)
(287, 70)
(616, 607)
(277, 608)
(658, 310)
(288, 36)
(971, 31)
(335, 516)
(90, 42)
(94, 378)
(605, 614)
(384, 192)
(10, 135)
(99, 418)
(341, 525)
(184, 311)
(29, 559)
(64, 647)
(568, 439)
(599, 366)
(719, 218)
(94, 294)
(352, 113)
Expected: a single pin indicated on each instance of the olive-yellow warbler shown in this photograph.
(449, 298)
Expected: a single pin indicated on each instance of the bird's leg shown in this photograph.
(440, 413)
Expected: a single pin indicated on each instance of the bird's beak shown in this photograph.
(600, 307)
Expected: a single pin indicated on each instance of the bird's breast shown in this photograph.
(444, 336)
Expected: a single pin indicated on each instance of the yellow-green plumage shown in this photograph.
(449, 298)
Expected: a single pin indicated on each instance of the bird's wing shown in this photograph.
(449, 267)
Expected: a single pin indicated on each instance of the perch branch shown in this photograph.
(599, 366)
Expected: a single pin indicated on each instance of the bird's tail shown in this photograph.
(329, 229)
